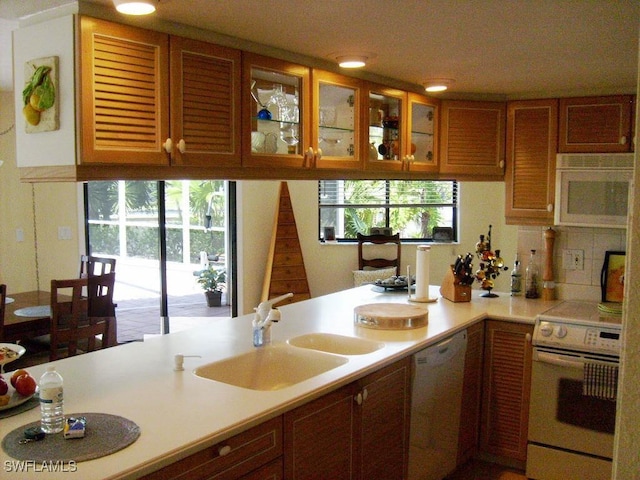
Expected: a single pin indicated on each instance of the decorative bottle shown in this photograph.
(51, 400)
(532, 277)
(516, 278)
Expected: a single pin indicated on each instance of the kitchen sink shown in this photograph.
(338, 344)
(270, 368)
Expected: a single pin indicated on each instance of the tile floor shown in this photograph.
(140, 317)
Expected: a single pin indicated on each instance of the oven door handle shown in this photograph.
(555, 360)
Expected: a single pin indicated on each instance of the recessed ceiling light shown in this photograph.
(438, 84)
(351, 61)
(135, 7)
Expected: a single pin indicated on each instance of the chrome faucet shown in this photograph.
(264, 317)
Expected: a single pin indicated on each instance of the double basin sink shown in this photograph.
(279, 366)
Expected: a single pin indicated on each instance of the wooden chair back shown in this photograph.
(100, 293)
(378, 262)
(91, 265)
(72, 329)
(3, 303)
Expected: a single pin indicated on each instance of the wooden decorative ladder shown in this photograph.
(285, 266)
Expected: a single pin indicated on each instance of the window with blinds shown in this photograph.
(415, 208)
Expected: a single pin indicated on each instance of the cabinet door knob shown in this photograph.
(550, 207)
(501, 163)
(365, 394)
(317, 157)
(308, 157)
(358, 398)
(182, 146)
(168, 145)
(623, 140)
(224, 450)
(527, 338)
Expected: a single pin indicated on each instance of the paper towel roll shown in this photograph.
(422, 272)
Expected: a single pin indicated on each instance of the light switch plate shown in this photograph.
(64, 233)
(573, 259)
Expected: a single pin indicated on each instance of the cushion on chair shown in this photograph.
(364, 277)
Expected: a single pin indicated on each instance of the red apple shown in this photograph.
(4, 388)
(15, 376)
(25, 385)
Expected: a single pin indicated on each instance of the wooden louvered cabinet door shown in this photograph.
(124, 97)
(506, 392)
(532, 130)
(472, 138)
(205, 103)
(596, 124)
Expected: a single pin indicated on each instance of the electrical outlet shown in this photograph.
(573, 259)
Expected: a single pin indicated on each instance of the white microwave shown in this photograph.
(593, 190)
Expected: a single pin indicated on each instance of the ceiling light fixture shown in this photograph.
(351, 61)
(135, 7)
(438, 84)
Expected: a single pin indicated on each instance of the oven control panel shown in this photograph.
(573, 336)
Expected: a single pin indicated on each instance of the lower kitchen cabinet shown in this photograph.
(471, 394)
(251, 455)
(506, 390)
(360, 431)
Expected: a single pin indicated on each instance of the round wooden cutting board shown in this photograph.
(391, 316)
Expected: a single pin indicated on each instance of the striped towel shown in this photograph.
(600, 381)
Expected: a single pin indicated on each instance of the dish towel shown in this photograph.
(600, 381)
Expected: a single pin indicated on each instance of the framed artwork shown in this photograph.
(40, 105)
(612, 276)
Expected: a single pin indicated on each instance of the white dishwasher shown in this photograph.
(435, 408)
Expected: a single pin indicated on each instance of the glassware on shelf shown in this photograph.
(264, 113)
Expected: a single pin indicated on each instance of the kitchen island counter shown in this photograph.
(179, 413)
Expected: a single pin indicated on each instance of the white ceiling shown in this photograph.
(516, 48)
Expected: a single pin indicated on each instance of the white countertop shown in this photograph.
(180, 413)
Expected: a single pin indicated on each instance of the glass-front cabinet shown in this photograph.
(422, 129)
(385, 120)
(336, 121)
(276, 113)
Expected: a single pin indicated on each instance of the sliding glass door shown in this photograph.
(162, 235)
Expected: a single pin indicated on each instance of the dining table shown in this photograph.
(28, 315)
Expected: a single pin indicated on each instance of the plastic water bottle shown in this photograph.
(51, 400)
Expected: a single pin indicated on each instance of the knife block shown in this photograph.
(452, 290)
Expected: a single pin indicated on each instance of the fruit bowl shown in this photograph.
(15, 398)
(9, 352)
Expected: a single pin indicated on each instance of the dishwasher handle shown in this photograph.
(443, 351)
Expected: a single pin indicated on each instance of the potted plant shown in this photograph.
(213, 283)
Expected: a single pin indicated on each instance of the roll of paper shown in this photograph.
(422, 272)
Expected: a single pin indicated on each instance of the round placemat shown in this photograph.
(105, 434)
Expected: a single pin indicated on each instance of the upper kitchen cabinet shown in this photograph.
(205, 104)
(150, 98)
(386, 119)
(596, 124)
(276, 113)
(472, 138)
(422, 115)
(532, 128)
(336, 132)
(124, 94)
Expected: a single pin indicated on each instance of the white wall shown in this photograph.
(329, 266)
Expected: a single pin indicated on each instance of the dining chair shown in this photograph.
(379, 262)
(73, 330)
(3, 302)
(91, 265)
